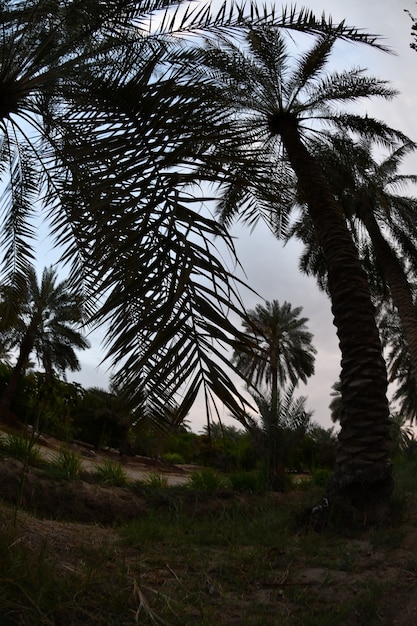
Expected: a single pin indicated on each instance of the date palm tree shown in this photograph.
(47, 323)
(279, 104)
(280, 425)
(283, 346)
(382, 221)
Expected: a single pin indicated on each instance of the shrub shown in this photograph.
(247, 481)
(111, 473)
(22, 448)
(173, 457)
(67, 463)
(206, 480)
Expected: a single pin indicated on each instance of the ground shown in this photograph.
(69, 519)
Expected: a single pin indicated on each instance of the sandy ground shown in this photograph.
(136, 468)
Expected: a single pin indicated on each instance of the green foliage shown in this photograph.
(111, 473)
(252, 482)
(207, 479)
(22, 448)
(173, 457)
(185, 444)
(156, 481)
(321, 477)
(277, 431)
(67, 463)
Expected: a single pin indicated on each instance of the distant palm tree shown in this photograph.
(280, 425)
(282, 349)
(46, 322)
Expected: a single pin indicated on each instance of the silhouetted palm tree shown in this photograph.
(280, 425)
(382, 221)
(99, 120)
(279, 104)
(283, 347)
(46, 323)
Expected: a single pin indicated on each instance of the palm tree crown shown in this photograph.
(47, 323)
(284, 349)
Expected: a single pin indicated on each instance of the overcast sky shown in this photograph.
(271, 269)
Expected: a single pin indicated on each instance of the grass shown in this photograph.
(191, 558)
(111, 473)
(21, 448)
(66, 464)
(204, 556)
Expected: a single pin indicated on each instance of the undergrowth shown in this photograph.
(202, 555)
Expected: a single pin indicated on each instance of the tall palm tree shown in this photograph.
(382, 221)
(279, 104)
(118, 133)
(47, 323)
(283, 347)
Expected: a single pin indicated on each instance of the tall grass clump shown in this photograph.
(111, 473)
(21, 448)
(156, 481)
(206, 480)
(66, 464)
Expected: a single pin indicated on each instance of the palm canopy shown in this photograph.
(115, 136)
(284, 349)
(367, 188)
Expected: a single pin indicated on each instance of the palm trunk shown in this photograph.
(396, 280)
(362, 483)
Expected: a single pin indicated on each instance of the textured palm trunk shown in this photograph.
(396, 280)
(362, 483)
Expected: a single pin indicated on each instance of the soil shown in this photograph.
(70, 515)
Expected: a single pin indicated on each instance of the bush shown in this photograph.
(247, 481)
(173, 457)
(67, 463)
(206, 480)
(111, 473)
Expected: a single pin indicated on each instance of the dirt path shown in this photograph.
(136, 468)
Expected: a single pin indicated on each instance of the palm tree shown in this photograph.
(46, 323)
(368, 191)
(279, 105)
(397, 354)
(283, 349)
(280, 425)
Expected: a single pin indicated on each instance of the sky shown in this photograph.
(271, 269)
